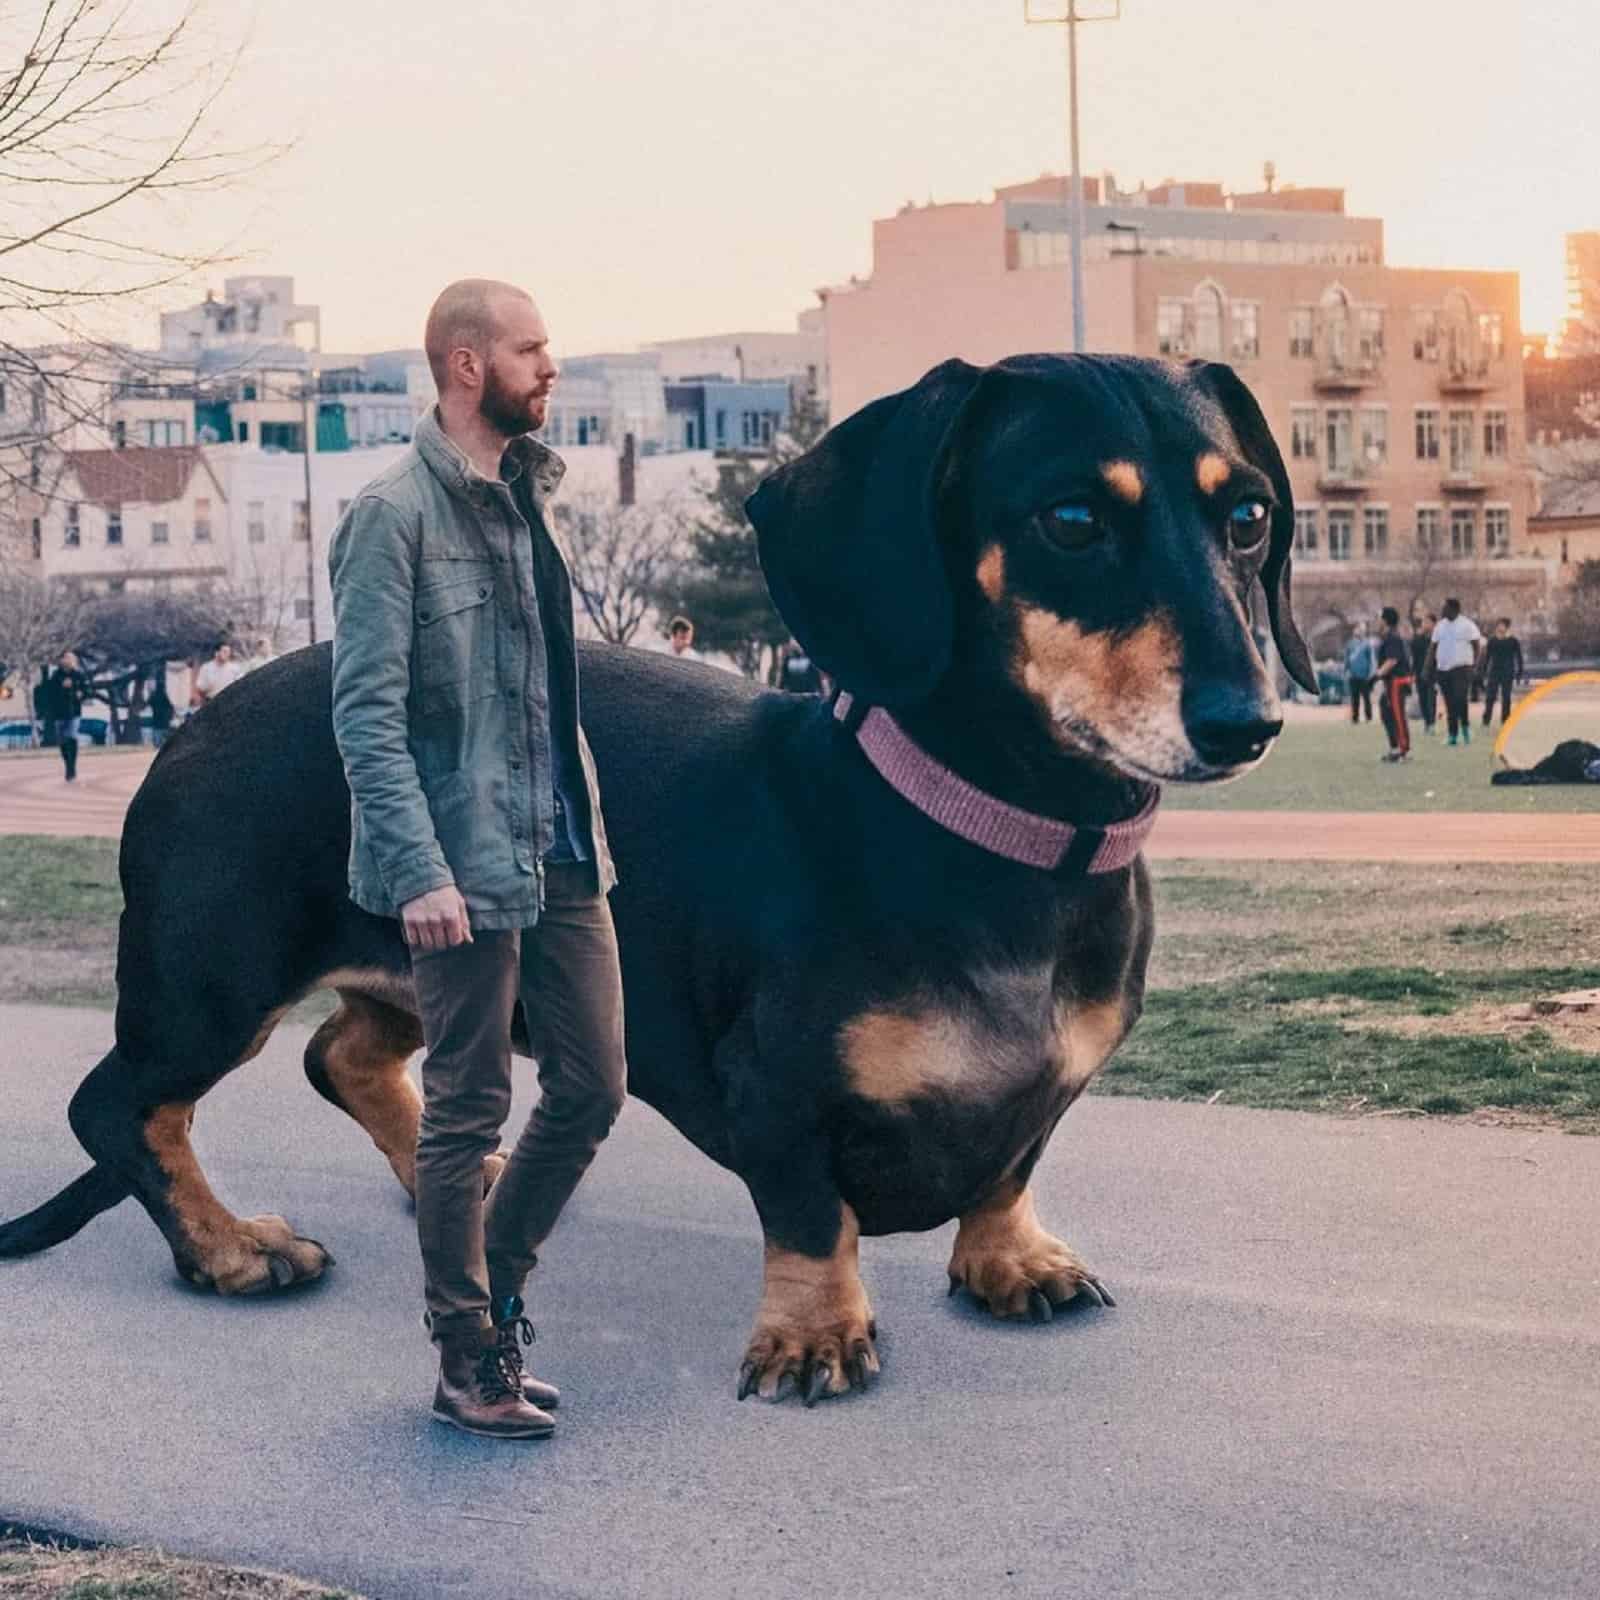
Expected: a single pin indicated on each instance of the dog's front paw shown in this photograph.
(815, 1327)
(1005, 1259)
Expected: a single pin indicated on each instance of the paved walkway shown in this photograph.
(35, 799)
(1348, 1358)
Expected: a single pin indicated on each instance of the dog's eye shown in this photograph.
(1072, 524)
(1248, 523)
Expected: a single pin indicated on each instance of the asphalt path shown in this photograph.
(1348, 1358)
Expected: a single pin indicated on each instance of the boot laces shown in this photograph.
(499, 1375)
(510, 1336)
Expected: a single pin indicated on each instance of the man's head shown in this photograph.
(224, 653)
(1360, 630)
(69, 660)
(1452, 609)
(1502, 628)
(680, 631)
(489, 348)
(1390, 618)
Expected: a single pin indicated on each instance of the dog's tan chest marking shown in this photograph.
(1211, 471)
(1015, 1033)
(992, 573)
(1124, 480)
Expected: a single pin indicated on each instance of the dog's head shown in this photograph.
(1080, 533)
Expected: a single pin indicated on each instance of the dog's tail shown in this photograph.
(62, 1216)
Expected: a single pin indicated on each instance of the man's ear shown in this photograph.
(848, 539)
(1261, 450)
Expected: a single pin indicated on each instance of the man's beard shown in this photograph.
(507, 413)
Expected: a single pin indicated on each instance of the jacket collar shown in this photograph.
(983, 819)
(450, 465)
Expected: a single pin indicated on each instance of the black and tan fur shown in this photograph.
(874, 1023)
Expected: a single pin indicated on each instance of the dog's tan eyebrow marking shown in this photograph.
(992, 572)
(1211, 471)
(1124, 480)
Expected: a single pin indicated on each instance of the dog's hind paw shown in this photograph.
(255, 1256)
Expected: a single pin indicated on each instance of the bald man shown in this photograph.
(476, 822)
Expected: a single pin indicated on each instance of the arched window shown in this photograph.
(1336, 328)
(1459, 344)
(1207, 321)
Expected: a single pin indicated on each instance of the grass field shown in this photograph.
(1324, 763)
(1320, 986)
(35, 1570)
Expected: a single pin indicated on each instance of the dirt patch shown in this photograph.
(41, 975)
(33, 1571)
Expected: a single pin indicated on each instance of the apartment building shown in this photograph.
(1395, 393)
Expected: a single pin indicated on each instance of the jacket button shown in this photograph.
(425, 615)
(483, 594)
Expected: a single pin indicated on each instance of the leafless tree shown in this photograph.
(621, 557)
(39, 618)
(111, 119)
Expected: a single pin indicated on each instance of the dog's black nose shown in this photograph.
(1231, 743)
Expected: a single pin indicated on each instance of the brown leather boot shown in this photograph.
(479, 1391)
(513, 1330)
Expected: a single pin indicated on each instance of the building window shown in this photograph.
(165, 433)
(38, 405)
(302, 520)
(1341, 525)
(38, 540)
(1305, 530)
(722, 428)
(1461, 431)
(1430, 519)
(1207, 322)
(1369, 335)
(74, 533)
(255, 522)
(1497, 530)
(1463, 531)
(1338, 433)
(119, 435)
(1303, 433)
(1427, 433)
(1374, 437)
(113, 524)
(1425, 336)
(1246, 330)
(1375, 532)
(1171, 318)
(1494, 436)
(1566, 556)
(158, 533)
(1302, 326)
(35, 465)
(244, 433)
(202, 521)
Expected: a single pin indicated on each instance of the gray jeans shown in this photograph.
(566, 972)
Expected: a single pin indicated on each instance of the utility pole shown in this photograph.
(307, 441)
(1071, 18)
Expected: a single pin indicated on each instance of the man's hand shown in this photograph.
(436, 920)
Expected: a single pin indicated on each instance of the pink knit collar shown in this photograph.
(979, 818)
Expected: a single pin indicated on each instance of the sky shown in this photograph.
(655, 170)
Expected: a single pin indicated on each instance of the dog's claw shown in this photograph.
(955, 1286)
(1039, 1308)
(282, 1271)
(1096, 1291)
(817, 1385)
(749, 1377)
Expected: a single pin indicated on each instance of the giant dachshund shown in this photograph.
(873, 947)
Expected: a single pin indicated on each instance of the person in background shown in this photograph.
(680, 635)
(1452, 659)
(1360, 660)
(215, 675)
(1427, 689)
(1502, 667)
(1394, 680)
(160, 704)
(799, 674)
(67, 688)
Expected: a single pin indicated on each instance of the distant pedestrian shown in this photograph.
(1502, 667)
(67, 688)
(161, 710)
(799, 674)
(680, 635)
(1360, 665)
(215, 676)
(1394, 681)
(1427, 689)
(1453, 658)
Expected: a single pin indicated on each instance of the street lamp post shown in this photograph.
(311, 543)
(1071, 18)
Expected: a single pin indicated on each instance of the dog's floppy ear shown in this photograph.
(1255, 439)
(848, 539)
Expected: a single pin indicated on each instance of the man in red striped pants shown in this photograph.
(1394, 679)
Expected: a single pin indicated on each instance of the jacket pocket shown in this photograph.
(455, 640)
